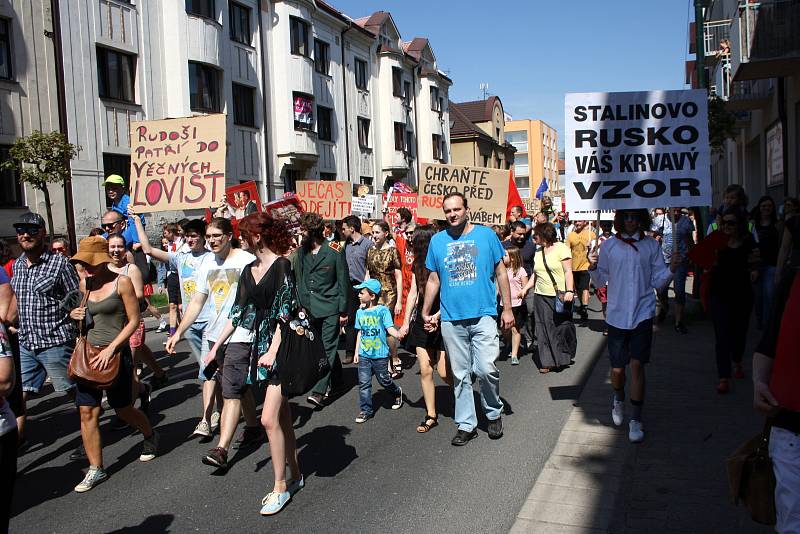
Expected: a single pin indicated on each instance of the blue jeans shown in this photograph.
(380, 368)
(473, 346)
(194, 337)
(763, 290)
(37, 364)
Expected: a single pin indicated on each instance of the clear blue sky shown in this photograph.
(531, 52)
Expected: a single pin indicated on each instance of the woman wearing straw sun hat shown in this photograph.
(113, 315)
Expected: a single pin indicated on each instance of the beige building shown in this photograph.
(477, 134)
(536, 157)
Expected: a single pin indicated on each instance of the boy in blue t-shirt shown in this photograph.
(373, 321)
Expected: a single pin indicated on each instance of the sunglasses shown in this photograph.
(108, 226)
(729, 222)
(28, 229)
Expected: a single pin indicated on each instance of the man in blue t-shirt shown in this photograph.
(466, 264)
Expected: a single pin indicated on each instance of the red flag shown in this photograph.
(513, 196)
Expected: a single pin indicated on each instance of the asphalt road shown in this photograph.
(381, 476)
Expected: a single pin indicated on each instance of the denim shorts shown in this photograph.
(38, 364)
(626, 344)
(194, 336)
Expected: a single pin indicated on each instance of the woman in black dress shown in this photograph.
(265, 298)
(731, 294)
(427, 341)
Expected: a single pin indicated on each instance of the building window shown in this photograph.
(410, 144)
(407, 93)
(437, 146)
(441, 104)
(303, 111)
(201, 8)
(203, 87)
(399, 136)
(240, 23)
(116, 73)
(10, 186)
(5, 50)
(397, 81)
(327, 176)
(322, 57)
(523, 182)
(299, 36)
(117, 164)
(325, 123)
(361, 74)
(244, 113)
(435, 103)
(485, 161)
(363, 132)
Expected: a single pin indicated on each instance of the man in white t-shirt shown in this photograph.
(187, 262)
(217, 282)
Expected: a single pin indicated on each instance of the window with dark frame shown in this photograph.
(322, 57)
(324, 123)
(117, 164)
(303, 107)
(203, 87)
(10, 186)
(244, 112)
(240, 23)
(437, 146)
(327, 176)
(397, 81)
(399, 136)
(298, 32)
(407, 93)
(363, 132)
(202, 8)
(116, 74)
(361, 74)
(6, 72)
(435, 103)
(410, 144)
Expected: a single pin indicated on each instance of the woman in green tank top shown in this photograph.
(111, 315)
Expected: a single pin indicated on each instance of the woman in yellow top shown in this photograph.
(555, 332)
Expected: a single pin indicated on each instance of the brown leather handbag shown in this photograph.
(751, 478)
(80, 367)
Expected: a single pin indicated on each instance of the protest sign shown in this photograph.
(331, 199)
(637, 150)
(397, 201)
(240, 201)
(486, 191)
(605, 215)
(287, 208)
(178, 164)
(364, 204)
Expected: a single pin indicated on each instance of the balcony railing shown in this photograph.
(767, 43)
(747, 95)
(716, 40)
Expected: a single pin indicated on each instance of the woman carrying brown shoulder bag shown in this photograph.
(109, 317)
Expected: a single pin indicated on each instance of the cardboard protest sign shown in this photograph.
(397, 201)
(178, 164)
(287, 208)
(486, 191)
(332, 200)
(637, 150)
(364, 204)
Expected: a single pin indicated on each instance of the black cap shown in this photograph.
(30, 218)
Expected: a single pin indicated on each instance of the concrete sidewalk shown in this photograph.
(596, 481)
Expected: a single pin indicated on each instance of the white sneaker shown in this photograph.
(618, 412)
(202, 429)
(214, 425)
(635, 431)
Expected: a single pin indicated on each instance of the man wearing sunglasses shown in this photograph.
(633, 266)
(46, 287)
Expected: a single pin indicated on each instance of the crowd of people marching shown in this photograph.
(446, 292)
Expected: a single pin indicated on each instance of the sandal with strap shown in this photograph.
(427, 424)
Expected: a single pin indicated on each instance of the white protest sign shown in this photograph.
(363, 204)
(637, 150)
(605, 215)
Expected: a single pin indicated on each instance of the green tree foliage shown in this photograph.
(41, 159)
(721, 124)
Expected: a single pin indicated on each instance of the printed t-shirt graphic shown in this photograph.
(372, 323)
(219, 281)
(460, 263)
(187, 265)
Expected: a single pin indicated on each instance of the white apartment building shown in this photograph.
(309, 93)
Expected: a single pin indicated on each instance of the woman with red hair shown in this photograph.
(265, 298)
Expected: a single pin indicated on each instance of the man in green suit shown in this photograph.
(322, 287)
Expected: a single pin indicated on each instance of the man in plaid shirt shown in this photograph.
(46, 286)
